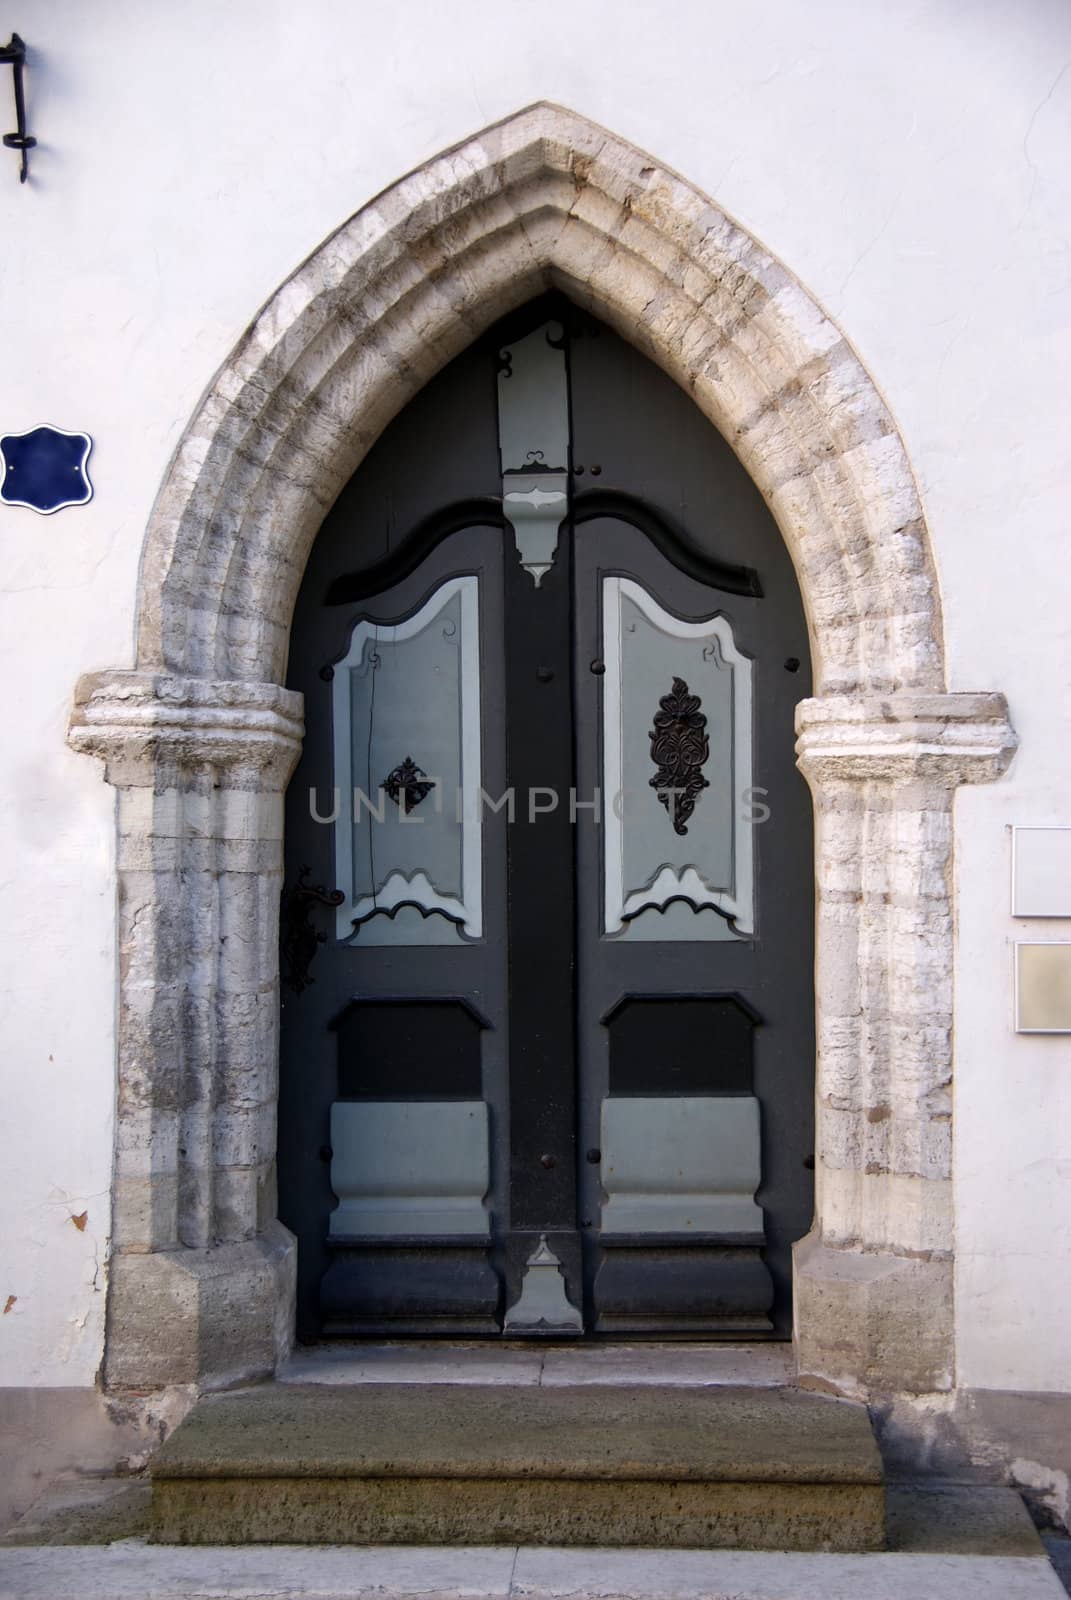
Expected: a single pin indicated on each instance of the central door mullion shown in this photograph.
(542, 942)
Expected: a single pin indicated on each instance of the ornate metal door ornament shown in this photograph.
(708, 859)
(679, 749)
(407, 785)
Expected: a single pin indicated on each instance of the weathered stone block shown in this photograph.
(207, 1317)
(872, 1322)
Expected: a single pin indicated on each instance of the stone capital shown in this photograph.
(943, 740)
(138, 722)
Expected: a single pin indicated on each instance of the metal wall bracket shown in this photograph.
(15, 53)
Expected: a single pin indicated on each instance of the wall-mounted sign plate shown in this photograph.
(45, 469)
(1043, 987)
(1041, 872)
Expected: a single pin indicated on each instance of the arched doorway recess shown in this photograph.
(199, 739)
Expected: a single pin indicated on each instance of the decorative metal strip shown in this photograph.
(533, 439)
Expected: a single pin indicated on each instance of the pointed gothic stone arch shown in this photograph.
(200, 738)
(542, 199)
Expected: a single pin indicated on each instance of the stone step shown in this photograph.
(425, 1464)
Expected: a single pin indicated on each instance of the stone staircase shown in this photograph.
(720, 1449)
(661, 1466)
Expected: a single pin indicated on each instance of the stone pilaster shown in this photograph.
(201, 1278)
(873, 1301)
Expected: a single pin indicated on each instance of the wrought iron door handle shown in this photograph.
(298, 938)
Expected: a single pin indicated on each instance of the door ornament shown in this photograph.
(407, 785)
(299, 939)
(533, 440)
(653, 875)
(405, 892)
(404, 686)
(543, 1306)
(679, 749)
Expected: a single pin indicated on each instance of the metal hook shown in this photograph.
(15, 53)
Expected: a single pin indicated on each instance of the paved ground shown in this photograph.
(948, 1543)
(1058, 1549)
(134, 1571)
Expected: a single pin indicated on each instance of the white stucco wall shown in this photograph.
(907, 159)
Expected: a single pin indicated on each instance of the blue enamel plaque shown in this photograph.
(45, 469)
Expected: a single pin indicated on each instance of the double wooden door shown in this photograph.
(547, 1021)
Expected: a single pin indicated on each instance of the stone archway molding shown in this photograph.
(200, 738)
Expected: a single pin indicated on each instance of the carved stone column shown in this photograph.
(874, 1284)
(201, 1280)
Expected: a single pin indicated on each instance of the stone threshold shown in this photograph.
(546, 1365)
